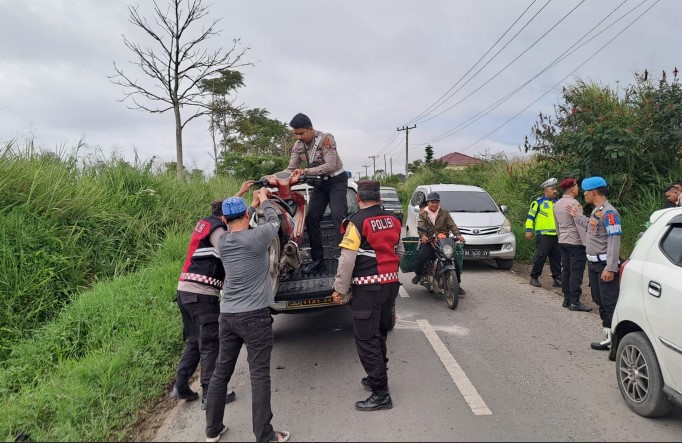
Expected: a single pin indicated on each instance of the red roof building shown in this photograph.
(456, 160)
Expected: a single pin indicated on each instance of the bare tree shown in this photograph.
(175, 69)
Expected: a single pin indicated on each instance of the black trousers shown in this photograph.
(331, 192)
(200, 330)
(604, 294)
(546, 246)
(426, 253)
(573, 261)
(371, 309)
(254, 329)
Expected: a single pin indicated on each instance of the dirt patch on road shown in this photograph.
(523, 271)
(151, 418)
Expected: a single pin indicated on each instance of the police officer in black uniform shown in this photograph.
(370, 253)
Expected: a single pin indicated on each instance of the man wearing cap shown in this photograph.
(370, 253)
(431, 222)
(199, 287)
(245, 315)
(571, 246)
(318, 150)
(540, 220)
(604, 232)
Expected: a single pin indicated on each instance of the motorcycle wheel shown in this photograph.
(451, 289)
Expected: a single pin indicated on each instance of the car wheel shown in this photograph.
(639, 376)
(504, 263)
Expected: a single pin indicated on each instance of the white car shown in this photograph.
(647, 322)
(488, 233)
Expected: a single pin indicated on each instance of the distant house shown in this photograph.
(458, 161)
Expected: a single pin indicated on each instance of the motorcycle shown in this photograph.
(440, 274)
(285, 257)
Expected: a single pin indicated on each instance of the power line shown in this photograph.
(476, 117)
(503, 69)
(559, 82)
(482, 57)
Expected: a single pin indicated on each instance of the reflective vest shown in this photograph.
(203, 264)
(541, 217)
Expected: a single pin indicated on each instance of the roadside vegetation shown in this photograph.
(90, 248)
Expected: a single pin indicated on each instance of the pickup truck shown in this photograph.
(300, 293)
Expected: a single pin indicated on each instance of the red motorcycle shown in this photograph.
(285, 257)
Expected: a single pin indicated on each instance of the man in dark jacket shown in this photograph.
(434, 220)
(369, 259)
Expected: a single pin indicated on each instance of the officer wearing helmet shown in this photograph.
(540, 220)
(432, 221)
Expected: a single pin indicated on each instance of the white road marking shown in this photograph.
(469, 392)
(403, 293)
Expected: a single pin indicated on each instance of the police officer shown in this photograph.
(572, 247)
(370, 253)
(198, 290)
(540, 220)
(602, 249)
(318, 150)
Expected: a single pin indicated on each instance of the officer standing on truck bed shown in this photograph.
(318, 150)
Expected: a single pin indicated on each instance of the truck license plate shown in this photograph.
(310, 302)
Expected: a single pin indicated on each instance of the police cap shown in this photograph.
(549, 183)
(591, 183)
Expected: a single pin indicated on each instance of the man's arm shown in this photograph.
(294, 158)
(349, 252)
(530, 219)
(452, 227)
(614, 231)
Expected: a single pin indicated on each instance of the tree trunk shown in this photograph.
(178, 141)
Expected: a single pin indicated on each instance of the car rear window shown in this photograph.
(389, 194)
(467, 201)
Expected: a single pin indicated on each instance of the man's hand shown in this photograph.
(460, 239)
(297, 172)
(424, 238)
(574, 210)
(607, 276)
(529, 235)
(337, 297)
(245, 187)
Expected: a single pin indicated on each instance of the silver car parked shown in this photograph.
(487, 231)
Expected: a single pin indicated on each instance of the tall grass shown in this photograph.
(65, 224)
(85, 375)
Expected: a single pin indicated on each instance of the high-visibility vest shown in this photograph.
(541, 217)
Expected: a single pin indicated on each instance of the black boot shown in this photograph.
(374, 403)
(314, 266)
(183, 392)
(229, 397)
(534, 282)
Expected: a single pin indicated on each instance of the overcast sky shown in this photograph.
(359, 69)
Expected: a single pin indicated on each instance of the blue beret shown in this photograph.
(591, 183)
(234, 207)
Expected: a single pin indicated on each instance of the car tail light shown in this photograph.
(622, 268)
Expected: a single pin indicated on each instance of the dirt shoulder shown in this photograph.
(523, 271)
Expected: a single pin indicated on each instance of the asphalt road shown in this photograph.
(509, 364)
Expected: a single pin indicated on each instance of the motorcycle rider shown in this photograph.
(433, 221)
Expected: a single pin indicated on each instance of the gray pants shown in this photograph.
(254, 329)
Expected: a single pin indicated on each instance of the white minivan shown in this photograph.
(484, 226)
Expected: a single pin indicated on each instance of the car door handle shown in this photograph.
(654, 289)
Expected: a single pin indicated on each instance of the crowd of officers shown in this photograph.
(571, 240)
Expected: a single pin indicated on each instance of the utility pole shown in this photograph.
(374, 164)
(391, 165)
(366, 166)
(385, 170)
(407, 138)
